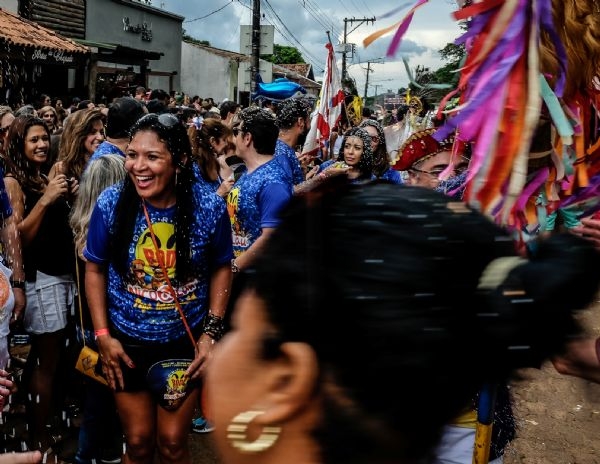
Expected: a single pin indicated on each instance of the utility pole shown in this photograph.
(367, 80)
(351, 21)
(369, 70)
(376, 87)
(255, 44)
(344, 52)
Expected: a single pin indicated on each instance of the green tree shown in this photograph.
(282, 54)
(188, 38)
(454, 56)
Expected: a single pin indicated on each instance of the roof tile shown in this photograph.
(19, 31)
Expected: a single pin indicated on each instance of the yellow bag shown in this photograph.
(88, 358)
(86, 364)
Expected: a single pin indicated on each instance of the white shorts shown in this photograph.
(456, 446)
(49, 300)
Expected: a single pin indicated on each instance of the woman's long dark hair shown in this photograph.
(202, 150)
(365, 165)
(16, 163)
(130, 205)
(381, 161)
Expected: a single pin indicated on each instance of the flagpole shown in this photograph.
(329, 107)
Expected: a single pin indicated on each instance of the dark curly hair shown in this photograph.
(365, 165)
(389, 286)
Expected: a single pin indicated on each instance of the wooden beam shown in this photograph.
(57, 23)
(43, 10)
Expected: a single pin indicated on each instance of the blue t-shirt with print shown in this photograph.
(106, 148)
(254, 203)
(140, 304)
(393, 176)
(5, 206)
(286, 157)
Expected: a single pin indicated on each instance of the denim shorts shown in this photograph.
(49, 301)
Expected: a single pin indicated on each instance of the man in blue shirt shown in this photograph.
(262, 191)
(293, 119)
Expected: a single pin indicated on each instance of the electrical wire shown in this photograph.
(209, 14)
(308, 54)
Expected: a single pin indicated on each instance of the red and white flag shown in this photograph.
(329, 109)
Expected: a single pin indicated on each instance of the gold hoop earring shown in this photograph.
(236, 434)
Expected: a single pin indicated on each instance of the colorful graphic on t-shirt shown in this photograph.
(140, 303)
(146, 277)
(146, 255)
(254, 202)
(240, 238)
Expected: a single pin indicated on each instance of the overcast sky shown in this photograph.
(303, 24)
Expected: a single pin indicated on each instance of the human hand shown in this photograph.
(28, 457)
(73, 185)
(56, 188)
(204, 348)
(313, 171)
(304, 158)
(5, 385)
(590, 230)
(225, 187)
(111, 354)
(334, 171)
(20, 301)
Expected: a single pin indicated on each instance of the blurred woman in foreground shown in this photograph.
(353, 339)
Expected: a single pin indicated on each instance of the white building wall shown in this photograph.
(206, 74)
(10, 5)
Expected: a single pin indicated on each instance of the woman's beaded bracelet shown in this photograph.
(214, 326)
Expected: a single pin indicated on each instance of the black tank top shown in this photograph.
(52, 250)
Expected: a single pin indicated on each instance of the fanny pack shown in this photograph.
(168, 383)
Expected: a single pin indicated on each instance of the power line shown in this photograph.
(291, 34)
(316, 61)
(345, 7)
(209, 14)
(319, 13)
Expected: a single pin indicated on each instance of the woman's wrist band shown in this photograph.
(101, 332)
(17, 284)
(214, 326)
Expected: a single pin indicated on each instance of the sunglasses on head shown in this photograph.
(167, 120)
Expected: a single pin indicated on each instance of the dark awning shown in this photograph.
(120, 51)
(28, 40)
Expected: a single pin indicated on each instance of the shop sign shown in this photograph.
(143, 29)
(52, 56)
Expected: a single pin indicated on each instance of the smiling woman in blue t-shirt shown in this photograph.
(157, 281)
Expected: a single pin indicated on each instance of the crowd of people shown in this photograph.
(231, 283)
